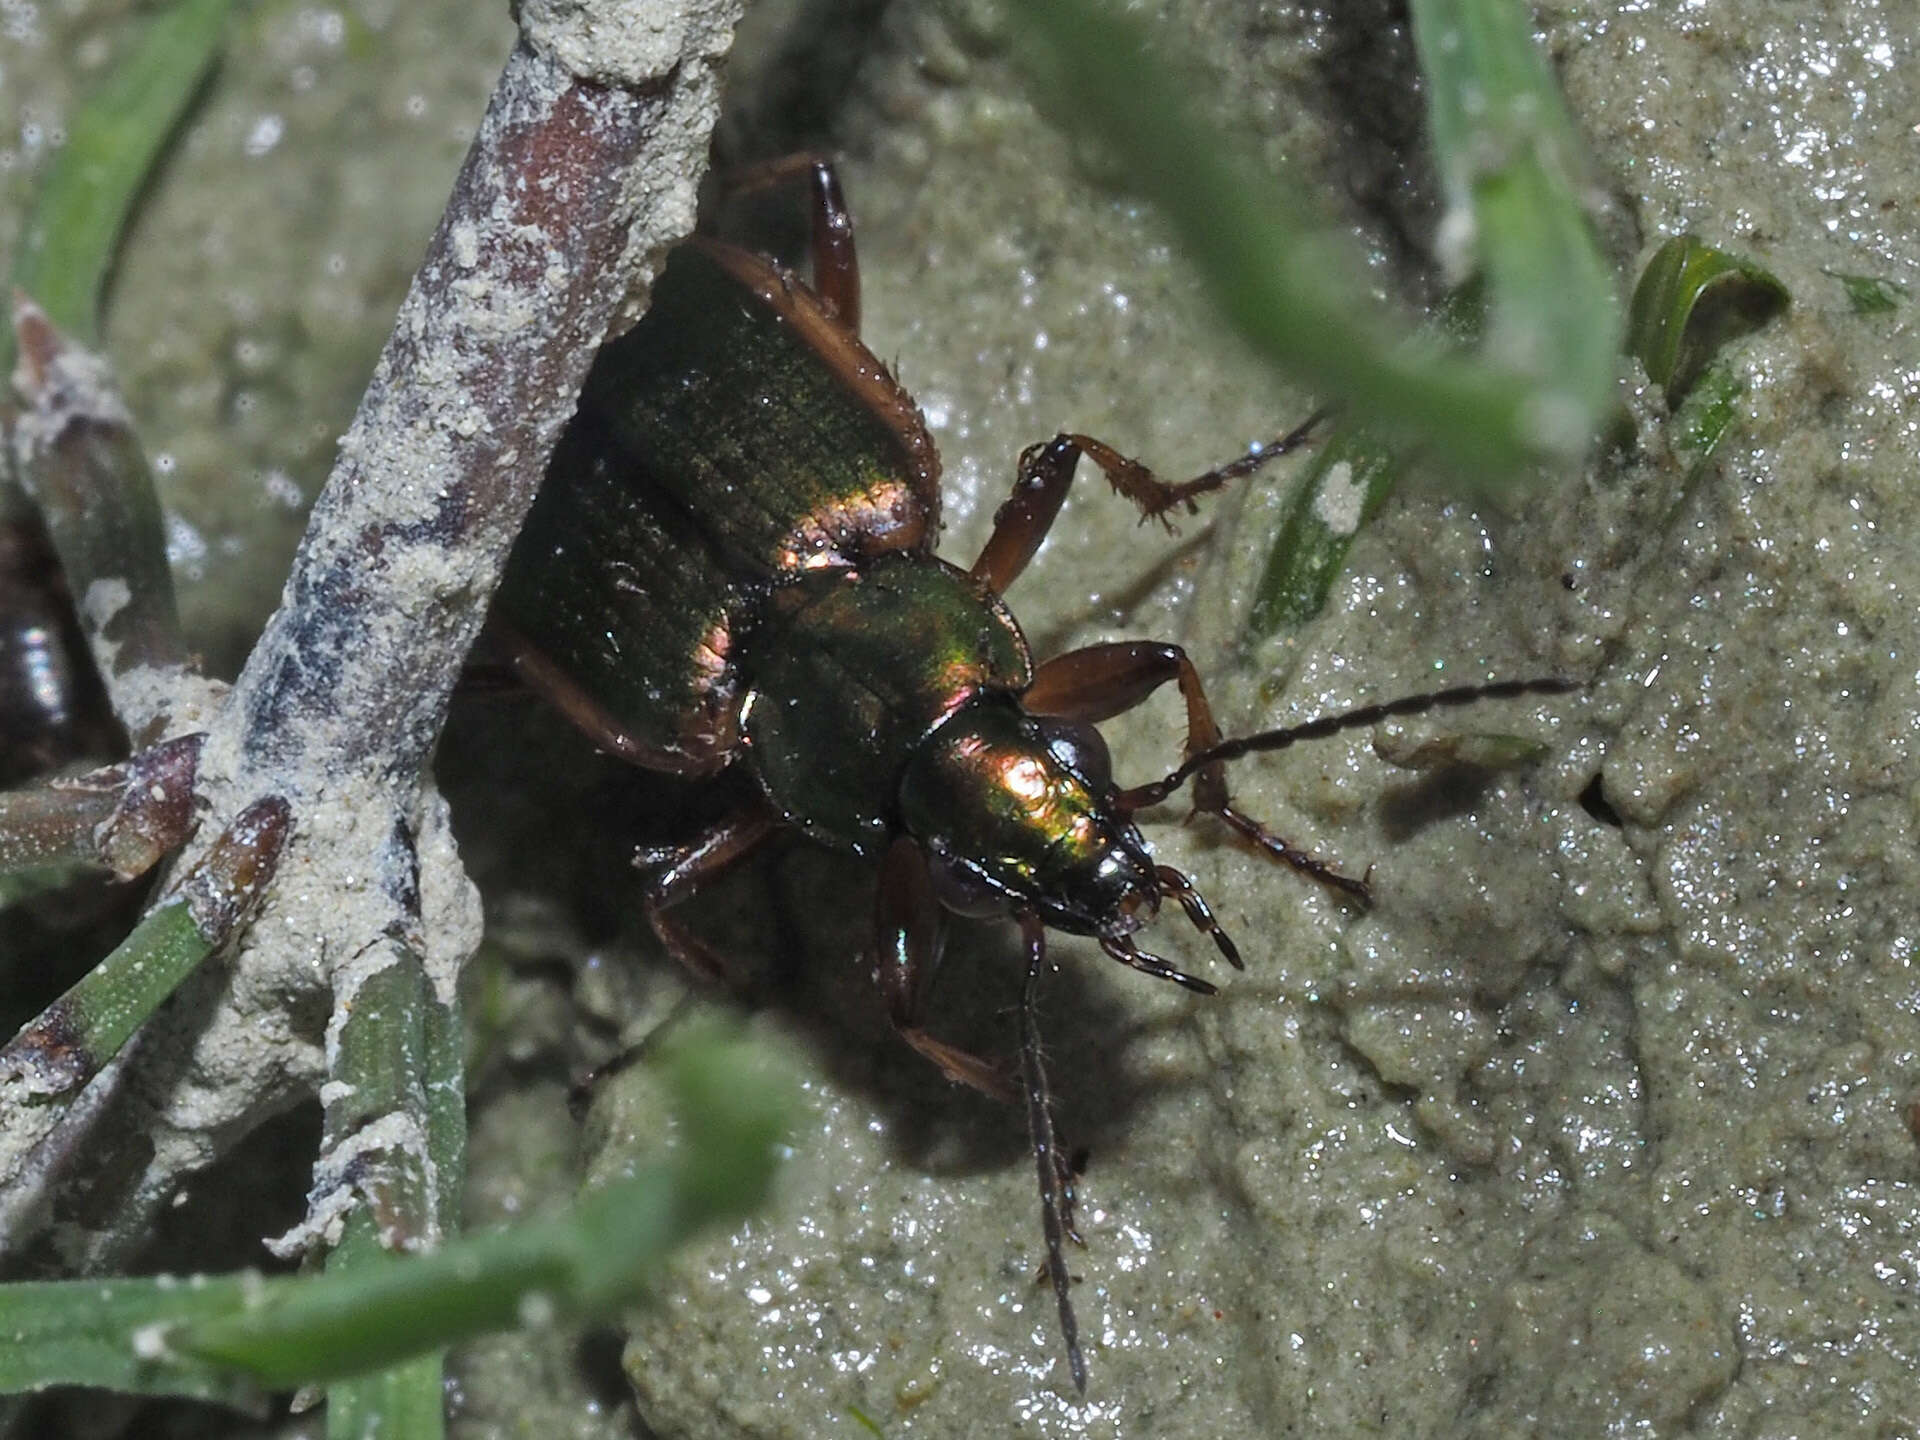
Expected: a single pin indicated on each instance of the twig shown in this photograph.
(572, 192)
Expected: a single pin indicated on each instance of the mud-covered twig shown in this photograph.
(124, 817)
(441, 462)
(572, 192)
(65, 1046)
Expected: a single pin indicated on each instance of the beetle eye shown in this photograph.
(1079, 749)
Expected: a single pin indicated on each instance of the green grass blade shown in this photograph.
(1282, 287)
(1871, 294)
(588, 1264)
(233, 1337)
(406, 1399)
(113, 1334)
(1691, 299)
(63, 1047)
(393, 1067)
(1514, 173)
(113, 139)
(1346, 483)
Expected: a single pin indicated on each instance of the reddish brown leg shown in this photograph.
(1207, 760)
(836, 268)
(702, 754)
(907, 927)
(684, 870)
(1102, 681)
(1046, 470)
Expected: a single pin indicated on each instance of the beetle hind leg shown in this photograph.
(836, 264)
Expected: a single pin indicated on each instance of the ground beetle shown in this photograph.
(731, 561)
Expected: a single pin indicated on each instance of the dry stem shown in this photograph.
(571, 194)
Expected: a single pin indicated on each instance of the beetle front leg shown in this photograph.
(908, 932)
(1047, 469)
(685, 869)
(1102, 681)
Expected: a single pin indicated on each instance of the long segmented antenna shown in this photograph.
(1142, 796)
(1056, 1199)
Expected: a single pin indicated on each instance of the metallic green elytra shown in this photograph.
(731, 563)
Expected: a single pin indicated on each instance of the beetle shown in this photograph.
(53, 708)
(731, 562)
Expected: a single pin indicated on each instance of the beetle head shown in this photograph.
(1017, 812)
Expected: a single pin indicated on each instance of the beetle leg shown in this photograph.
(1204, 763)
(836, 265)
(686, 870)
(1054, 1168)
(1173, 883)
(707, 747)
(907, 928)
(1123, 949)
(1102, 681)
(1046, 470)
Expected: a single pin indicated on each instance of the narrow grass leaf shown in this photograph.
(113, 140)
(1347, 482)
(1286, 287)
(588, 1264)
(113, 1334)
(1691, 300)
(1515, 177)
(232, 1338)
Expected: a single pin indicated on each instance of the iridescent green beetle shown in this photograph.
(731, 562)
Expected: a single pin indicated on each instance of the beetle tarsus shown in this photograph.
(1304, 861)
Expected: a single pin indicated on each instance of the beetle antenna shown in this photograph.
(1142, 796)
(1056, 1195)
(1177, 885)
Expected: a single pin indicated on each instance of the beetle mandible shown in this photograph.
(731, 562)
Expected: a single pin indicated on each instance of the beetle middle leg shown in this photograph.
(1046, 471)
(1102, 681)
